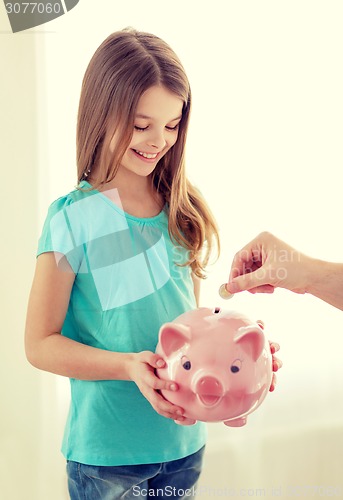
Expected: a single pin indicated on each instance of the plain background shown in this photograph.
(265, 148)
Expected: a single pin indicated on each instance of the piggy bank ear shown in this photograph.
(173, 336)
(251, 339)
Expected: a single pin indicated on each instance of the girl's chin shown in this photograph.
(140, 171)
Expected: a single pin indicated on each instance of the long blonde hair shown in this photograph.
(124, 66)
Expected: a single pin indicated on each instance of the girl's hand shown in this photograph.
(277, 363)
(142, 372)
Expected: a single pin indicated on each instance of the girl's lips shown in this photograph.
(143, 158)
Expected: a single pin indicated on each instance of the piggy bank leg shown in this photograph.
(237, 422)
(185, 421)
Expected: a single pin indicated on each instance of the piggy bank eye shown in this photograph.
(236, 366)
(186, 364)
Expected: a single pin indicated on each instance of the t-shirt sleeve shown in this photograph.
(57, 236)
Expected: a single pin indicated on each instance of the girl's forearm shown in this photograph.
(63, 356)
(327, 282)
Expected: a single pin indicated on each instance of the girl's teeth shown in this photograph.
(146, 155)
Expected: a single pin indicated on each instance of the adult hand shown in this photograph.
(266, 263)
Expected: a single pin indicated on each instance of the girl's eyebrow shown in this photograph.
(145, 117)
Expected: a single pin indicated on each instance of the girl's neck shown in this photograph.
(137, 195)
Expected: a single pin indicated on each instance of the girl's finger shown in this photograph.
(274, 347)
(164, 407)
(277, 364)
(273, 384)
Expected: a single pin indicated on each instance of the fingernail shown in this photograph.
(224, 293)
(173, 387)
(232, 287)
(160, 363)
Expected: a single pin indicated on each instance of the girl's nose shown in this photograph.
(157, 140)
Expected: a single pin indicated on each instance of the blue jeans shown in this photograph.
(175, 479)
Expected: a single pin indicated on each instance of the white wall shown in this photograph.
(30, 422)
(265, 147)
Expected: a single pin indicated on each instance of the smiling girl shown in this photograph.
(118, 257)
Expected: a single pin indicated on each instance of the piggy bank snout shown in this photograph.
(209, 390)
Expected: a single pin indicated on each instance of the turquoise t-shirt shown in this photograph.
(127, 284)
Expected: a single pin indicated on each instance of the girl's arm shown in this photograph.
(48, 350)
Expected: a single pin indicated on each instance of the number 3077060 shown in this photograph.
(32, 7)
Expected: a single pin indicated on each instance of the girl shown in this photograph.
(118, 257)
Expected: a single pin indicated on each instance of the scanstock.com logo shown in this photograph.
(25, 15)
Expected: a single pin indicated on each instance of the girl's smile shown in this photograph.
(150, 157)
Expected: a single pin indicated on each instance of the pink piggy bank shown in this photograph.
(221, 362)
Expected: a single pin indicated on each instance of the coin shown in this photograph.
(224, 293)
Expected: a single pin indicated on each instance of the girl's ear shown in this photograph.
(173, 336)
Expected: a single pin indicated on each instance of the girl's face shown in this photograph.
(156, 125)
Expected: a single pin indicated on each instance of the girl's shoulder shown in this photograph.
(66, 225)
(63, 202)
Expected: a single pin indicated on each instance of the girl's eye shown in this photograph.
(140, 129)
(173, 128)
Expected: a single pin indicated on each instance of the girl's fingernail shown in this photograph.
(160, 363)
(173, 387)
